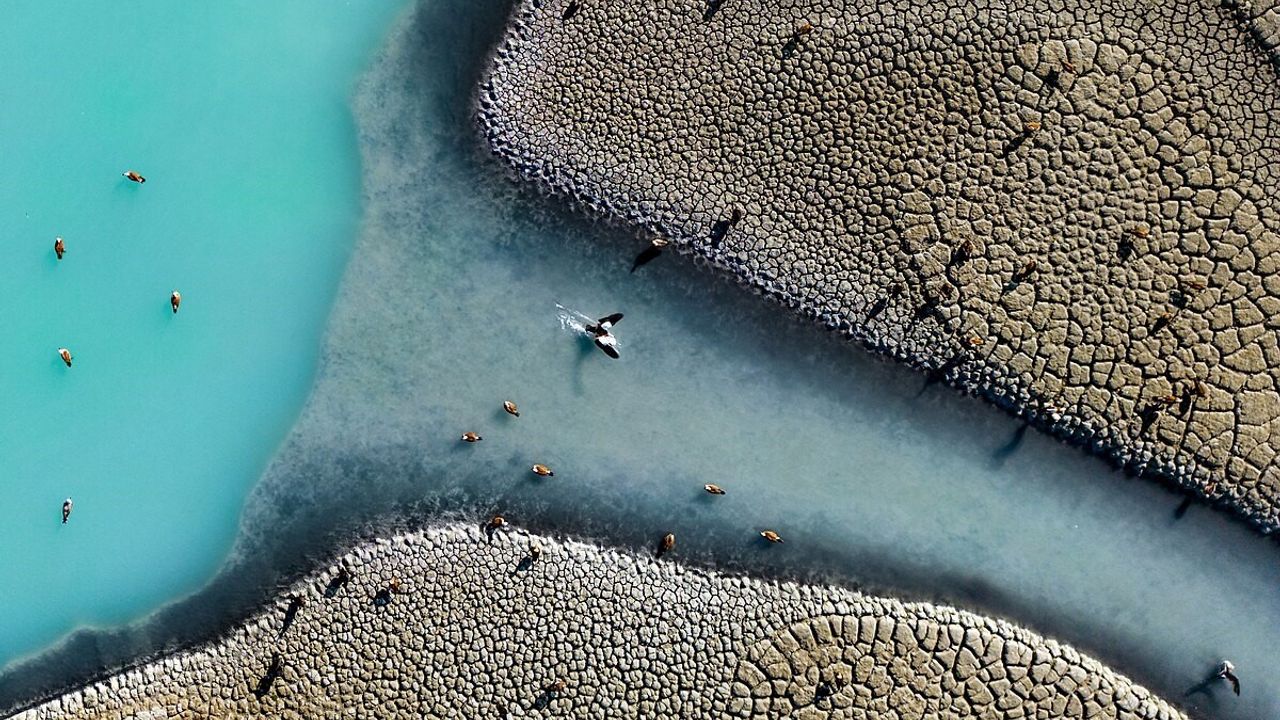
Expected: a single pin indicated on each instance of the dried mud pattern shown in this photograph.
(1068, 209)
(472, 635)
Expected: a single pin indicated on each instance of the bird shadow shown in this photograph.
(526, 562)
(1004, 452)
(269, 678)
(337, 583)
(1183, 507)
(290, 614)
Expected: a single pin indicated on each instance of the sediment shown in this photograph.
(479, 629)
(1068, 208)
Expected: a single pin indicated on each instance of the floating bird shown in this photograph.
(65, 354)
(66, 510)
(135, 176)
(511, 408)
(1227, 671)
(771, 536)
(603, 338)
(59, 247)
(650, 253)
(713, 489)
(667, 544)
(175, 299)
(469, 436)
(543, 470)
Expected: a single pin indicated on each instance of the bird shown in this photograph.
(175, 299)
(134, 176)
(667, 544)
(469, 436)
(535, 552)
(511, 408)
(65, 354)
(543, 470)
(59, 247)
(1227, 671)
(497, 522)
(713, 489)
(603, 338)
(650, 253)
(771, 536)
(66, 510)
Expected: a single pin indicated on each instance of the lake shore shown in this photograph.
(477, 628)
(1070, 217)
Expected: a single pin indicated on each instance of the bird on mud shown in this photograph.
(771, 536)
(511, 408)
(542, 470)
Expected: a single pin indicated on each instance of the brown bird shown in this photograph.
(535, 552)
(771, 536)
(511, 408)
(175, 299)
(469, 436)
(713, 489)
(65, 354)
(135, 176)
(497, 522)
(542, 470)
(667, 544)
(59, 247)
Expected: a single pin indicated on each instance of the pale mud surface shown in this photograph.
(478, 630)
(1067, 207)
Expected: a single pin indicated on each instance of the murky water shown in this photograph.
(449, 306)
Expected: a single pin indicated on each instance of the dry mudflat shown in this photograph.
(1068, 207)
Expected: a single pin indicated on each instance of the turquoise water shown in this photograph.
(449, 306)
(238, 114)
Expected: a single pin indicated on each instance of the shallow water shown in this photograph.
(449, 307)
(163, 423)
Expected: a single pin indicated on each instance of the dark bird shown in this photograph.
(650, 253)
(721, 228)
(604, 339)
(66, 510)
(59, 247)
(175, 299)
(295, 604)
(1227, 671)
